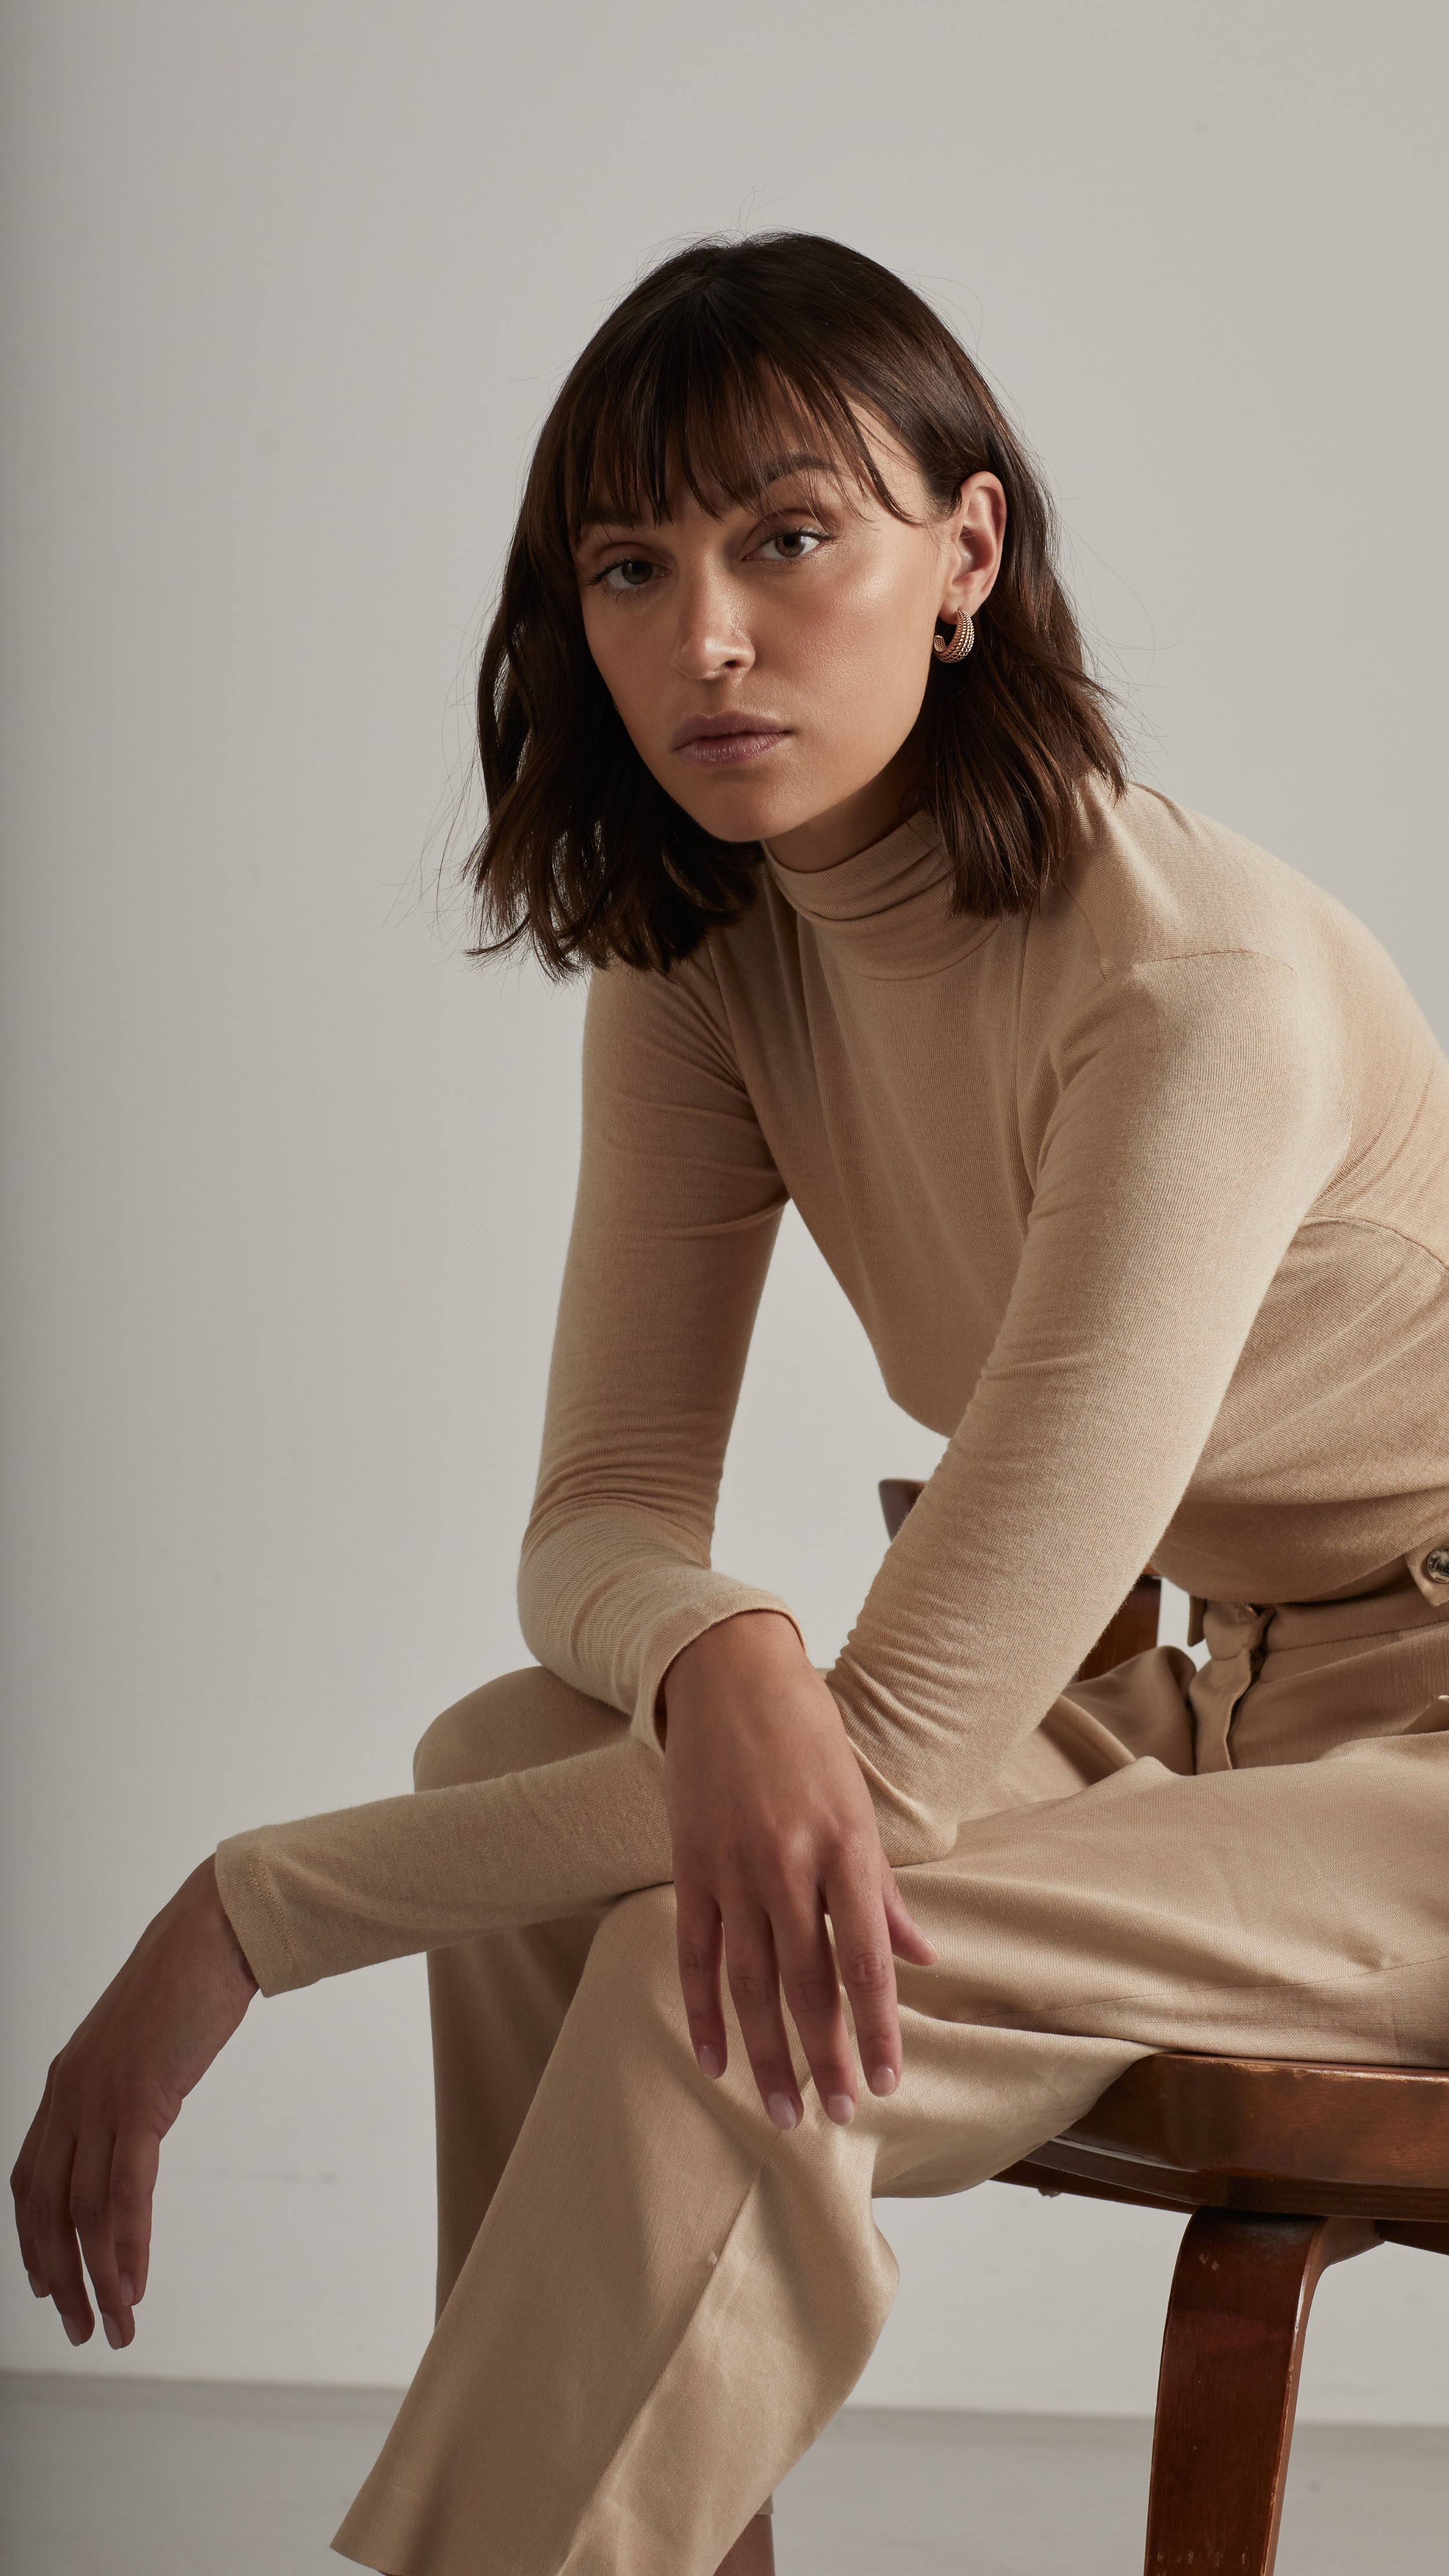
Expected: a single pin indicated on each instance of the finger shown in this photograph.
(812, 1991)
(22, 2182)
(59, 2254)
(30, 2254)
(867, 1970)
(698, 1943)
(908, 1941)
(754, 1977)
(134, 2167)
(90, 2216)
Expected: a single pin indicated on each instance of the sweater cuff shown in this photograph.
(726, 1599)
(253, 1907)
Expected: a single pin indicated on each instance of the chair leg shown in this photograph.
(1229, 2385)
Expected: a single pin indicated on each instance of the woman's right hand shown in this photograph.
(778, 1866)
(84, 2180)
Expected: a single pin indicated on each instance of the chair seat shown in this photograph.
(1189, 2132)
(1277, 2118)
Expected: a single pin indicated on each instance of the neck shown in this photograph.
(857, 821)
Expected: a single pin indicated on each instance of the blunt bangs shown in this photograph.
(706, 406)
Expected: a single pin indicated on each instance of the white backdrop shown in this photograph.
(286, 1184)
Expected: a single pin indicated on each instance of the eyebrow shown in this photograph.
(607, 513)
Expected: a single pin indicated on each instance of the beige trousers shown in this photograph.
(650, 2300)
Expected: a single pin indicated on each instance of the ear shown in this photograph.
(975, 533)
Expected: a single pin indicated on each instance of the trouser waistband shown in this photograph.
(1240, 1635)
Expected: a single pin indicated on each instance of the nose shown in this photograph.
(710, 640)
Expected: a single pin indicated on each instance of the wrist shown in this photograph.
(749, 1641)
(205, 1893)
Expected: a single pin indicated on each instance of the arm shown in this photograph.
(678, 1206)
(772, 1829)
(1194, 1119)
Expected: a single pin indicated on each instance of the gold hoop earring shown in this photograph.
(959, 642)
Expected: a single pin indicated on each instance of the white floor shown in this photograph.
(165, 2478)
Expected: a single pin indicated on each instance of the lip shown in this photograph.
(721, 742)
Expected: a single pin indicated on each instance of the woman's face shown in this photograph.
(769, 664)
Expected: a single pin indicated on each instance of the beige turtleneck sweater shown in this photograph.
(1143, 1200)
(1142, 1197)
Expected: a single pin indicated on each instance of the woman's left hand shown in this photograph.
(87, 2171)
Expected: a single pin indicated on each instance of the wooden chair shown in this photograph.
(1284, 2168)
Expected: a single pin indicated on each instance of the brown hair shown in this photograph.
(584, 854)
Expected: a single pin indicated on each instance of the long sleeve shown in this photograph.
(678, 1206)
(1190, 1120)
(322, 1895)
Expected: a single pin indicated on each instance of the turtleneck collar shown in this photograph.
(886, 912)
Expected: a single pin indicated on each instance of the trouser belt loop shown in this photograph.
(1235, 1631)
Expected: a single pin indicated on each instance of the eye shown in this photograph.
(630, 573)
(795, 544)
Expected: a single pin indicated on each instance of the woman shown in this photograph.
(1132, 1153)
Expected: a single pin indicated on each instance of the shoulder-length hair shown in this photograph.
(691, 376)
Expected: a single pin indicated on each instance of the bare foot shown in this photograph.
(87, 2171)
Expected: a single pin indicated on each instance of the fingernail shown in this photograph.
(37, 2285)
(77, 2333)
(884, 2080)
(709, 2061)
(841, 2109)
(114, 2336)
(783, 2111)
(128, 2289)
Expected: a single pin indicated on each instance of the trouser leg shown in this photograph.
(497, 2007)
(1290, 1911)
(498, 2001)
(668, 2299)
